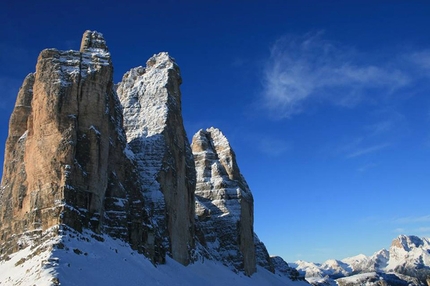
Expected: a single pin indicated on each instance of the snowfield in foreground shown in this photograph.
(76, 259)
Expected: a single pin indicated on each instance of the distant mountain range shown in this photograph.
(406, 262)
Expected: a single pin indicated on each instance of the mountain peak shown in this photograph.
(224, 203)
(407, 242)
(151, 100)
(407, 262)
(88, 167)
(161, 60)
(93, 41)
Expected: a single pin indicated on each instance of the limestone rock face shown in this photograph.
(224, 204)
(151, 99)
(65, 159)
(87, 155)
(14, 183)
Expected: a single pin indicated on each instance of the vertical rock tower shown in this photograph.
(224, 202)
(151, 99)
(84, 154)
(64, 158)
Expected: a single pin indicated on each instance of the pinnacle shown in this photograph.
(162, 60)
(93, 40)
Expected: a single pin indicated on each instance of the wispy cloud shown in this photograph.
(413, 225)
(413, 219)
(421, 59)
(381, 127)
(309, 69)
(367, 150)
(386, 119)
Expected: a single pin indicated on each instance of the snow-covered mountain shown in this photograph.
(101, 186)
(406, 262)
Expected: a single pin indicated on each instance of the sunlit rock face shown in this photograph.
(224, 203)
(151, 99)
(89, 156)
(65, 157)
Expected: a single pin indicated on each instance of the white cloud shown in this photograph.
(309, 69)
(412, 219)
(367, 150)
(388, 120)
(381, 127)
(421, 59)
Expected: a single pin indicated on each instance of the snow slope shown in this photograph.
(88, 259)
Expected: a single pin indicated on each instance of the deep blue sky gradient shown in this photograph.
(326, 103)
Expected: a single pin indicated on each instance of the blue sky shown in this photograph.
(326, 103)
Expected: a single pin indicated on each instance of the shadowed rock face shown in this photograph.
(81, 155)
(64, 158)
(224, 203)
(282, 268)
(151, 100)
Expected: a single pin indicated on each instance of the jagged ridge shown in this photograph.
(85, 155)
(406, 262)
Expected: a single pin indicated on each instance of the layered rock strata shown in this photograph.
(224, 204)
(85, 154)
(64, 159)
(151, 99)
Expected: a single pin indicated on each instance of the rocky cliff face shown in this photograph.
(224, 204)
(410, 255)
(155, 132)
(64, 159)
(282, 268)
(85, 158)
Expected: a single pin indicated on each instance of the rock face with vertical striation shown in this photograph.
(151, 100)
(224, 204)
(89, 161)
(14, 187)
(64, 161)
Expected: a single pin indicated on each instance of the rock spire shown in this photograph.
(155, 132)
(224, 204)
(86, 156)
(65, 160)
